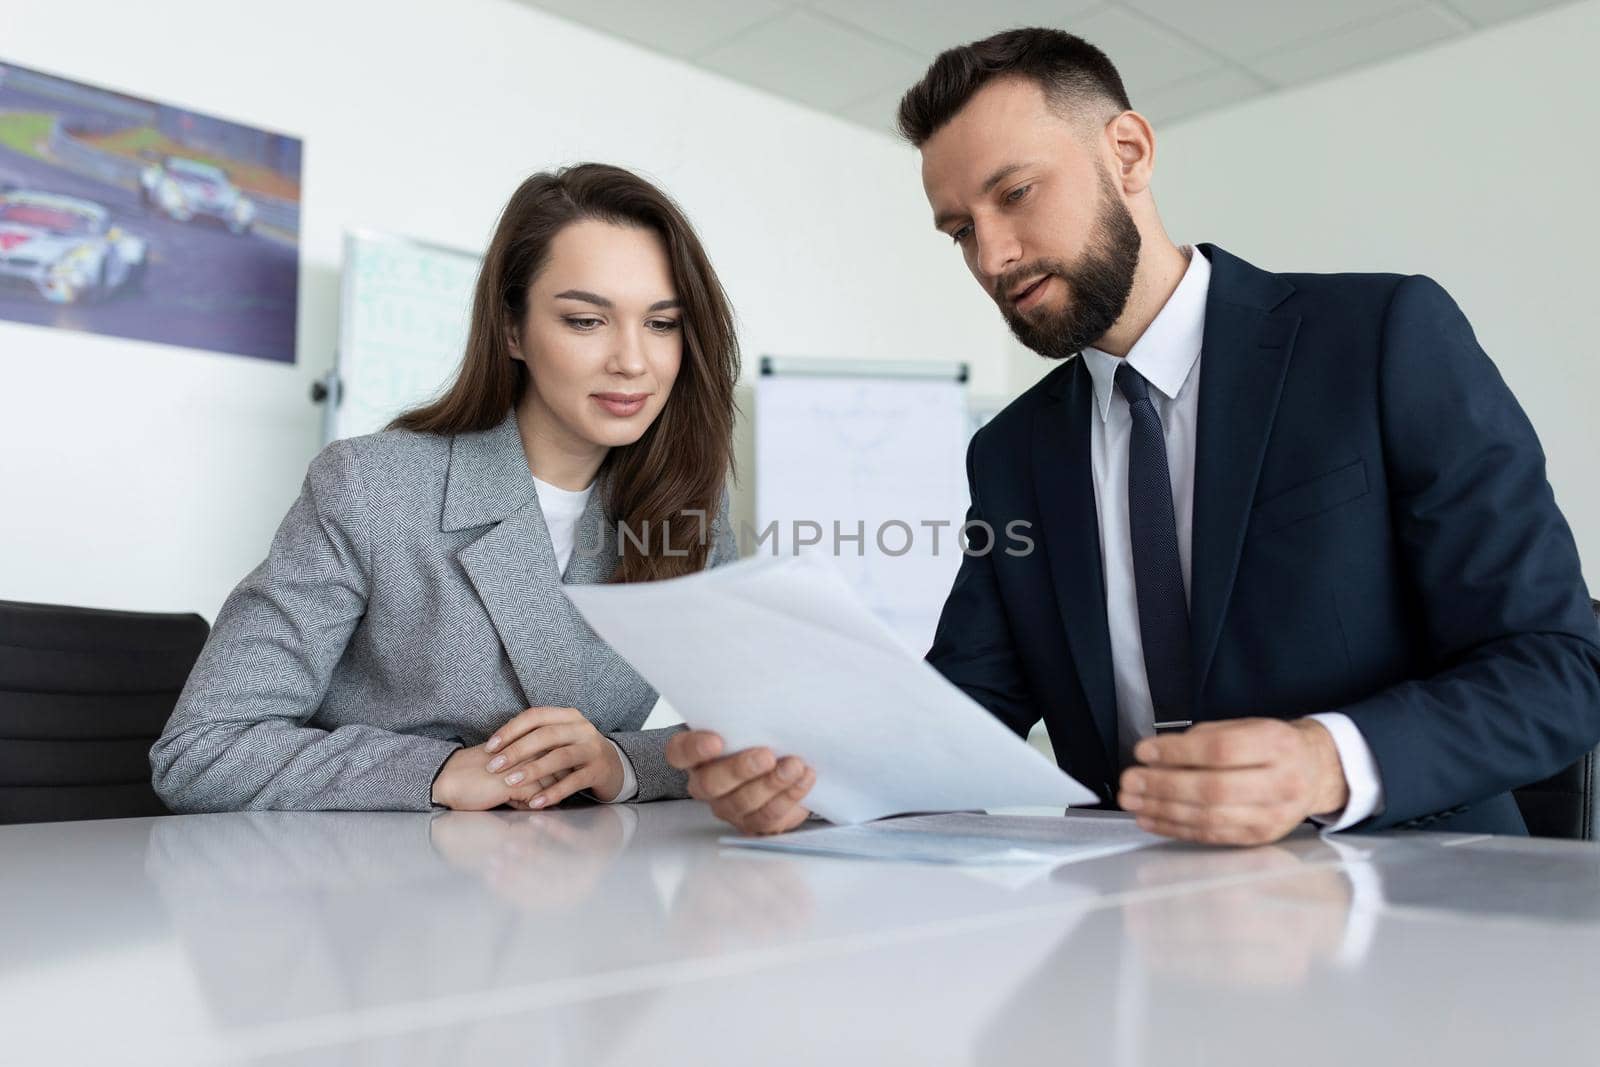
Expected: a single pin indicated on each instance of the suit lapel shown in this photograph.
(512, 567)
(513, 570)
(1064, 487)
(604, 679)
(1244, 358)
(594, 553)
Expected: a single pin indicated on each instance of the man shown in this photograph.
(1297, 555)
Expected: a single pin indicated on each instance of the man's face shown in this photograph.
(1027, 195)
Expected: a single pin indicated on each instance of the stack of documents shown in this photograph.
(781, 652)
(966, 838)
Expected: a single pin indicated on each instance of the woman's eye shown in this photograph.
(1017, 194)
(583, 323)
(663, 325)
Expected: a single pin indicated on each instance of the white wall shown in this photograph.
(1476, 163)
(146, 477)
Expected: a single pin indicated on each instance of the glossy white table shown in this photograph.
(629, 936)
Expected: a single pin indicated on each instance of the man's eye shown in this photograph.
(961, 234)
(1017, 194)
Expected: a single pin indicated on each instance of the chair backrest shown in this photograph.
(1564, 804)
(83, 695)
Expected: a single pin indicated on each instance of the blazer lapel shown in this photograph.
(1244, 358)
(604, 680)
(512, 566)
(513, 569)
(558, 660)
(594, 553)
(1064, 486)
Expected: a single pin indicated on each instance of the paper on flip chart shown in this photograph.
(781, 652)
(966, 838)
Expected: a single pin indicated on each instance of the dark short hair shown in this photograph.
(1069, 69)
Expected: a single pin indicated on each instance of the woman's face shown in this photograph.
(603, 336)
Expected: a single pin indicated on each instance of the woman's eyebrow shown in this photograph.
(586, 296)
(600, 301)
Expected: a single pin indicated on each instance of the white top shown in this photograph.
(562, 509)
(1167, 355)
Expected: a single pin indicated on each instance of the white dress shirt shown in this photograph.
(1167, 355)
(562, 509)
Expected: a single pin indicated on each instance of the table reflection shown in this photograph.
(535, 861)
(288, 915)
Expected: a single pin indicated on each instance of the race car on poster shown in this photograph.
(66, 249)
(186, 189)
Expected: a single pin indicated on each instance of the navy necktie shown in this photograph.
(1157, 571)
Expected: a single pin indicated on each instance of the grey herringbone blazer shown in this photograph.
(409, 604)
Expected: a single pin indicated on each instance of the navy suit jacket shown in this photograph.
(1373, 534)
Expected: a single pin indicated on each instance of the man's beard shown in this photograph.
(1097, 285)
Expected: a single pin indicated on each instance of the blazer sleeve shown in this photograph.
(647, 749)
(972, 645)
(1499, 600)
(238, 737)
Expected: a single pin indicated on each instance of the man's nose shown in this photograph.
(998, 252)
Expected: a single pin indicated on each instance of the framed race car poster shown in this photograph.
(131, 218)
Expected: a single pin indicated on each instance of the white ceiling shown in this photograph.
(854, 58)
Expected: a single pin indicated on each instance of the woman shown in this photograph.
(406, 644)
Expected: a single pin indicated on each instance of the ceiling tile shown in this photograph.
(1207, 92)
(1368, 43)
(1488, 12)
(929, 28)
(877, 111)
(1243, 29)
(813, 60)
(1145, 54)
(680, 28)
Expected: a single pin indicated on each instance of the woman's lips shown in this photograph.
(622, 405)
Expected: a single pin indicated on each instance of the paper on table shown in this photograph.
(966, 838)
(781, 652)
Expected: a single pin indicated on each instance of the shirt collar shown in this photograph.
(1166, 353)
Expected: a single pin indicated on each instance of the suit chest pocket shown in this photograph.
(1309, 499)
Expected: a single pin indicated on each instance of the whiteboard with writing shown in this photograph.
(404, 307)
(882, 457)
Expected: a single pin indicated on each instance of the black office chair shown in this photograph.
(83, 695)
(1564, 804)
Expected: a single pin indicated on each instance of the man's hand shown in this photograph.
(1238, 782)
(544, 755)
(753, 790)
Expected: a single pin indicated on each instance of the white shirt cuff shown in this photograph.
(630, 780)
(1360, 773)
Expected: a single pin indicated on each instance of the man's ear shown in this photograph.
(1134, 143)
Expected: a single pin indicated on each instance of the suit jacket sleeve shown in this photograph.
(238, 737)
(646, 750)
(1499, 600)
(972, 646)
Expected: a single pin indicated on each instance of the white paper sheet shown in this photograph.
(966, 838)
(780, 652)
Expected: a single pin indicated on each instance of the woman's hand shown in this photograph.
(545, 755)
(463, 784)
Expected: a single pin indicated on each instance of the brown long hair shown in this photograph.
(682, 461)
